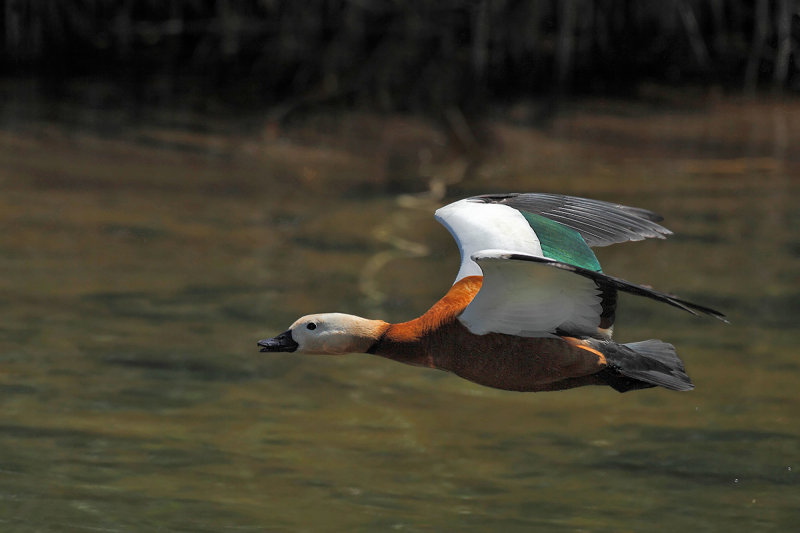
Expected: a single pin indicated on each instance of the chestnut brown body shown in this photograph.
(438, 340)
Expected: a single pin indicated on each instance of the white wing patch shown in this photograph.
(530, 299)
(479, 226)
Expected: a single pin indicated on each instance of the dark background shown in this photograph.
(414, 55)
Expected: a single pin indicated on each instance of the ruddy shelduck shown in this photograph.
(530, 309)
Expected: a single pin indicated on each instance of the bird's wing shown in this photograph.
(543, 225)
(533, 296)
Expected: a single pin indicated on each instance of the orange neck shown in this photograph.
(404, 341)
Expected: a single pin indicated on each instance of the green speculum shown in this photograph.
(562, 243)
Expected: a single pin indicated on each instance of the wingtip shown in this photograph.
(698, 310)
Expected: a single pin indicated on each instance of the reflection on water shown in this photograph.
(141, 266)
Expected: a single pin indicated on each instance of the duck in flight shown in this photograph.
(530, 309)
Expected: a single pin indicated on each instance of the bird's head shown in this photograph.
(327, 333)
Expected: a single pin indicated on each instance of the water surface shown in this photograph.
(142, 259)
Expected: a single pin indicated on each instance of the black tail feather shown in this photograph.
(644, 364)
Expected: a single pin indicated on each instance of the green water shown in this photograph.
(141, 262)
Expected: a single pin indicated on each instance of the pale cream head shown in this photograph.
(335, 333)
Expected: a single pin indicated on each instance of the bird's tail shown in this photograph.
(644, 364)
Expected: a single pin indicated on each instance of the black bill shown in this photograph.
(282, 343)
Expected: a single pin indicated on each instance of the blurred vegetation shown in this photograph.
(403, 55)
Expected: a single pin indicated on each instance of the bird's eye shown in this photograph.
(311, 326)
